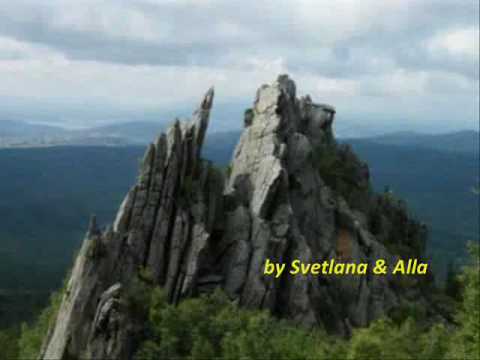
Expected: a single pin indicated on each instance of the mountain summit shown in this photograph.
(290, 193)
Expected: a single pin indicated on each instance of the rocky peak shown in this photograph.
(195, 229)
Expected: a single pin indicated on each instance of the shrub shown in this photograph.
(213, 327)
(8, 344)
(32, 336)
(466, 340)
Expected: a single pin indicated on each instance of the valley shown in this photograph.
(48, 194)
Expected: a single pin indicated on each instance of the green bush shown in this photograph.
(212, 327)
(8, 344)
(466, 340)
(384, 340)
(341, 170)
(32, 336)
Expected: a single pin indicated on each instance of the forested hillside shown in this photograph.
(48, 194)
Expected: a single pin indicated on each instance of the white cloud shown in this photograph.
(110, 19)
(128, 85)
(12, 50)
(457, 42)
(152, 53)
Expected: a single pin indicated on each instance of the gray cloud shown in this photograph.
(210, 32)
(391, 49)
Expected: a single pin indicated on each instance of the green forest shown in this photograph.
(211, 326)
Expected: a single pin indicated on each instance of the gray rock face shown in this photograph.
(197, 229)
(281, 209)
(164, 224)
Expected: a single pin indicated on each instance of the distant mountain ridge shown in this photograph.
(25, 134)
(138, 132)
(460, 141)
(19, 129)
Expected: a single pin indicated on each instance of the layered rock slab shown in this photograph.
(164, 224)
(281, 209)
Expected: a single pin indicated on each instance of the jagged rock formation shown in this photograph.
(195, 228)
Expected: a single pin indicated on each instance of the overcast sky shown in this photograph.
(399, 64)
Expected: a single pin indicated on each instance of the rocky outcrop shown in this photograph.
(163, 224)
(280, 208)
(195, 228)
